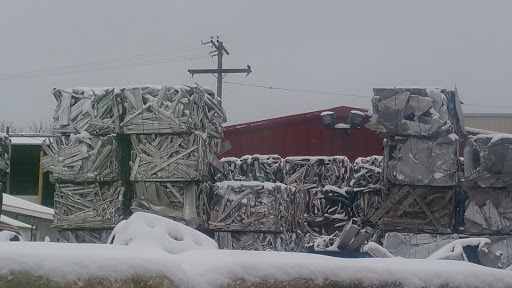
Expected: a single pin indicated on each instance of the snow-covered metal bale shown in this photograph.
(252, 207)
(261, 168)
(422, 161)
(171, 110)
(91, 110)
(88, 205)
(231, 170)
(317, 171)
(416, 209)
(415, 112)
(184, 202)
(488, 160)
(488, 210)
(367, 171)
(81, 158)
(184, 157)
(138, 110)
(255, 241)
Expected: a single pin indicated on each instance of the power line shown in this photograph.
(128, 60)
(109, 67)
(342, 94)
(298, 90)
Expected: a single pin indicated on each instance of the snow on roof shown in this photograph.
(17, 205)
(326, 113)
(215, 268)
(480, 131)
(27, 140)
(357, 112)
(9, 221)
(315, 158)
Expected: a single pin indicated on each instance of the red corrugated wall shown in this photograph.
(302, 135)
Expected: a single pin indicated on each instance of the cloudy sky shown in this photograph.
(344, 47)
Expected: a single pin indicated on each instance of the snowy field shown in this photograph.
(150, 251)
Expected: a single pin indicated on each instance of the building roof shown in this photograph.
(27, 140)
(17, 205)
(340, 111)
(9, 221)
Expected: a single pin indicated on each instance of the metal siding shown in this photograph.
(302, 135)
(501, 124)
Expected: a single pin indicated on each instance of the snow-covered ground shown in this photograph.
(202, 265)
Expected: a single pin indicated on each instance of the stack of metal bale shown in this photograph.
(83, 164)
(159, 160)
(420, 127)
(257, 216)
(253, 210)
(487, 184)
(174, 137)
(329, 213)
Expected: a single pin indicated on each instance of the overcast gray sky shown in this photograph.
(334, 46)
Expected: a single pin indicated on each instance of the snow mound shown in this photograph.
(454, 250)
(143, 230)
(6, 236)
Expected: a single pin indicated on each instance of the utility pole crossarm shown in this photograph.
(215, 71)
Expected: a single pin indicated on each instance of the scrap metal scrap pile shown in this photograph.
(487, 184)
(420, 127)
(163, 151)
(330, 199)
(257, 216)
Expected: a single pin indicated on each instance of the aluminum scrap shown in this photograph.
(262, 168)
(488, 160)
(422, 161)
(253, 207)
(317, 171)
(488, 210)
(415, 112)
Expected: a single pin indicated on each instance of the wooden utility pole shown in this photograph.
(220, 73)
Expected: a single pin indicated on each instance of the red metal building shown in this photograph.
(303, 135)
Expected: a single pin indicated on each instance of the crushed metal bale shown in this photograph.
(81, 158)
(415, 112)
(422, 161)
(488, 160)
(184, 202)
(253, 207)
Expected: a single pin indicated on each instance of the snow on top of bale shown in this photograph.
(261, 157)
(315, 158)
(143, 230)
